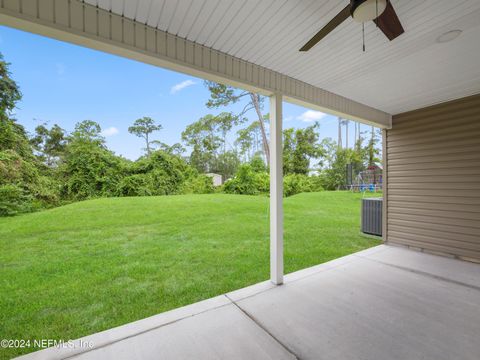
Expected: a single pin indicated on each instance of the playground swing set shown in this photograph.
(370, 179)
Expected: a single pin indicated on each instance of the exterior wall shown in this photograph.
(83, 24)
(433, 179)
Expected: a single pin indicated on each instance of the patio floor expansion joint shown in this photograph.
(251, 317)
(142, 332)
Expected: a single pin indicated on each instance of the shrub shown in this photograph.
(13, 200)
(317, 184)
(262, 182)
(162, 173)
(200, 184)
(134, 185)
(243, 182)
(15, 169)
(166, 172)
(24, 186)
(89, 170)
(249, 182)
(297, 183)
(46, 192)
(258, 165)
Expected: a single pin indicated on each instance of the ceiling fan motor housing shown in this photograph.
(366, 10)
(380, 11)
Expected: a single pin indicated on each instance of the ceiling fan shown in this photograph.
(380, 11)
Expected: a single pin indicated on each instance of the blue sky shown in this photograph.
(64, 84)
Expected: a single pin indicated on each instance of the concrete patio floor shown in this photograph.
(381, 303)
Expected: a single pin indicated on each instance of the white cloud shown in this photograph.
(111, 131)
(288, 118)
(180, 86)
(61, 68)
(311, 116)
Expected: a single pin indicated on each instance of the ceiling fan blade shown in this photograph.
(337, 20)
(389, 23)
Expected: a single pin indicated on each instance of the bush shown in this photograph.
(134, 185)
(258, 165)
(316, 183)
(297, 183)
(46, 192)
(261, 182)
(162, 173)
(249, 182)
(166, 172)
(13, 200)
(200, 184)
(243, 182)
(250, 179)
(89, 171)
(24, 186)
(15, 169)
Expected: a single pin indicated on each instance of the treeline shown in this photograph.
(309, 164)
(52, 167)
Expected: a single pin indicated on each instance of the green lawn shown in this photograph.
(93, 265)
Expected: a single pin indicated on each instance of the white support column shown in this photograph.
(384, 186)
(276, 190)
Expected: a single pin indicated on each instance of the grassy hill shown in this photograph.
(92, 265)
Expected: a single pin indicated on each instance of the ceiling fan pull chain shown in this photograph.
(363, 36)
(376, 17)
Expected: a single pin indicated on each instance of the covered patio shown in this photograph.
(382, 303)
(422, 89)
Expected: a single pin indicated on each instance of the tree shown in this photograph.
(203, 138)
(257, 164)
(49, 143)
(88, 131)
(347, 123)
(224, 123)
(227, 164)
(249, 139)
(372, 149)
(334, 173)
(9, 91)
(336, 159)
(357, 134)
(208, 138)
(51, 166)
(299, 147)
(89, 169)
(23, 187)
(143, 128)
(245, 141)
(175, 149)
(223, 95)
(339, 141)
(12, 135)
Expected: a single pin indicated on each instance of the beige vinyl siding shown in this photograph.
(433, 179)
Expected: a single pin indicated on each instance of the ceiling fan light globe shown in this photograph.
(367, 10)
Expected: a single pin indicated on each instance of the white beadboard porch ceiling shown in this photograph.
(411, 72)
